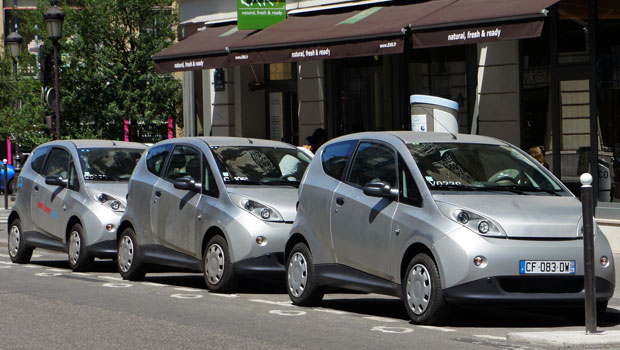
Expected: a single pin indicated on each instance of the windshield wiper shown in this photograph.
(513, 189)
(243, 182)
(539, 189)
(282, 182)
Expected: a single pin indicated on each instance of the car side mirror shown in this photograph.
(56, 180)
(380, 189)
(188, 184)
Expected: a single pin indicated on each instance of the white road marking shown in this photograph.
(231, 296)
(329, 311)
(47, 274)
(6, 262)
(56, 270)
(32, 266)
(117, 285)
(5, 267)
(287, 312)
(79, 273)
(111, 278)
(195, 290)
(186, 296)
(279, 303)
(485, 336)
(438, 328)
(380, 319)
(4, 255)
(393, 330)
(153, 284)
(36, 255)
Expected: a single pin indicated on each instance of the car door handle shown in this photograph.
(157, 194)
(340, 201)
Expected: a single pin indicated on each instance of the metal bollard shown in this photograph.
(5, 181)
(589, 275)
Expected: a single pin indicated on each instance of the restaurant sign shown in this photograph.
(260, 14)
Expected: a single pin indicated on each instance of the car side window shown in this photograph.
(335, 157)
(57, 163)
(156, 157)
(373, 162)
(74, 183)
(185, 161)
(38, 157)
(409, 193)
(209, 184)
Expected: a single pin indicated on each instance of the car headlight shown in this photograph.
(109, 201)
(260, 210)
(477, 223)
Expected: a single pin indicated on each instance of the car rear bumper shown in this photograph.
(538, 289)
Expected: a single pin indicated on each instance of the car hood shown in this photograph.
(282, 199)
(115, 189)
(525, 216)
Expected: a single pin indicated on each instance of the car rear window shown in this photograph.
(335, 157)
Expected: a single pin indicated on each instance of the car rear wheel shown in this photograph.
(18, 252)
(301, 279)
(79, 259)
(128, 257)
(217, 268)
(422, 293)
(12, 187)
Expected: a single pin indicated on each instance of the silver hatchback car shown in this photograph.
(219, 205)
(436, 219)
(71, 198)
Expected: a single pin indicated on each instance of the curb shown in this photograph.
(567, 339)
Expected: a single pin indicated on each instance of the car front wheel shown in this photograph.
(217, 268)
(301, 279)
(422, 293)
(128, 257)
(79, 259)
(18, 252)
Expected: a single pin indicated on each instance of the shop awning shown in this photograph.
(374, 31)
(478, 21)
(203, 50)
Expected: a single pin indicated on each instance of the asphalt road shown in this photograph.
(45, 306)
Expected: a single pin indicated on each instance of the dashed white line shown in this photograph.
(32, 266)
(280, 303)
(330, 311)
(117, 285)
(186, 296)
(56, 270)
(80, 273)
(393, 330)
(47, 274)
(380, 319)
(6, 262)
(153, 284)
(5, 267)
(287, 312)
(231, 296)
(485, 336)
(111, 278)
(441, 329)
(195, 290)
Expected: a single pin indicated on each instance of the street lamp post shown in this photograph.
(53, 23)
(15, 42)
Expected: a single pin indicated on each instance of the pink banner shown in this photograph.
(170, 128)
(126, 125)
(8, 151)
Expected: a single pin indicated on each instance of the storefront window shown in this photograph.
(280, 71)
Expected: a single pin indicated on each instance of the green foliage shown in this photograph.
(107, 73)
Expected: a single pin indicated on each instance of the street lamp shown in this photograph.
(15, 42)
(53, 23)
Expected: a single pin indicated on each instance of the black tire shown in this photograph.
(18, 252)
(79, 259)
(128, 257)
(301, 283)
(422, 292)
(216, 266)
(12, 188)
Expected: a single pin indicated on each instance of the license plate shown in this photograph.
(547, 266)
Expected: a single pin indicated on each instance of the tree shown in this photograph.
(107, 73)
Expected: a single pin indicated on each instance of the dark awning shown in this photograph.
(203, 50)
(374, 31)
(477, 21)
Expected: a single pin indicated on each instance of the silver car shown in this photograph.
(219, 205)
(71, 198)
(437, 219)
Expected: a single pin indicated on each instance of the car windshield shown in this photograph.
(108, 164)
(480, 167)
(248, 165)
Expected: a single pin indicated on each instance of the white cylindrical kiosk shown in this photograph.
(431, 113)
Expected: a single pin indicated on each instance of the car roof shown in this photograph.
(233, 141)
(94, 143)
(422, 137)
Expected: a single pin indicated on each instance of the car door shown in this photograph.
(49, 216)
(361, 225)
(176, 211)
(209, 206)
